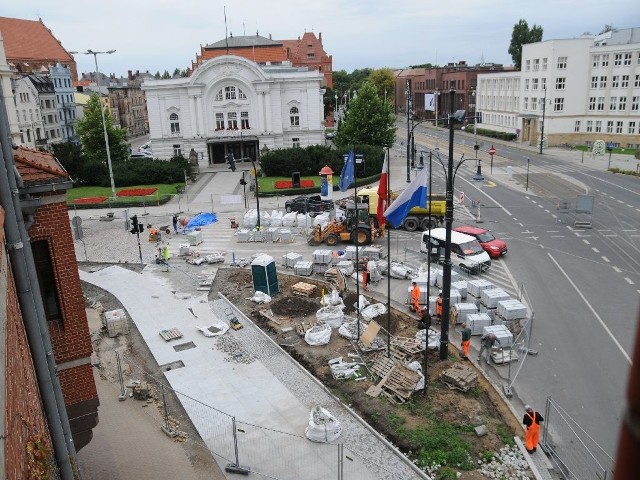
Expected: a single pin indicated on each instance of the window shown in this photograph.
(592, 103)
(174, 123)
(610, 126)
(612, 103)
(596, 61)
(605, 60)
(232, 120)
(526, 84)
(615, 81)
(544, 64)
(241, 95)
(526, 104)
(562, 63)
(219, 96)
(46, 279)
(219, 121)
(589, 126)
(637, 83)
(576, 127)
(177, 150)
(311, 55)
(622, 104)
(618, 127)
(534, 103)
(617, 60)
(560, 81)
(558, 105)
(635, 101)
(294, 117)
(535, 84)
(627, 59)
(230, 93)
(625, 81)
(544, 83)
(598, 126)
(244, 120)
(296, 142)
(603, 81)
(527, 65)
(632, 128)
(536, 64)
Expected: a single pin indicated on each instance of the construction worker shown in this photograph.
(425, 319)
(487, 342)
(466, 341)
(532, 420)
(415, 297)
(439, 306)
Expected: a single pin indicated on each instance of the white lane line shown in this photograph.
(620, 201)
(605, 259)
(554, 216)
(616, 269)
(540, 206)
(553, 231)
(629, 281)
(595, 250)
(611, 235)
(547, 211)
(606, 329)
(557, 236)
(630, 206)
(630, 230)
(586, 242)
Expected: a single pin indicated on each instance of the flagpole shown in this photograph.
(426, 346)
(355, 197)
(388, 258)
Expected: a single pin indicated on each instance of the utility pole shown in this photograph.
(544, 108)
(409, 130)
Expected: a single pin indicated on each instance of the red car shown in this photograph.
(492, 245)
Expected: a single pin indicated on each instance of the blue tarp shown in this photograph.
(201, 220)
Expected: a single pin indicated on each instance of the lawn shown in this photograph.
(96, 192)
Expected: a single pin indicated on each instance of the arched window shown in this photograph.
(241, 95)
(175, 124)
(294, 116)
(230, 93)
(219, 96)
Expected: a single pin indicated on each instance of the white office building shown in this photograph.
(232, 105)
(575, 90)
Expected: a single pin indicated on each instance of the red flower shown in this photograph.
(136, 192)
(90, 200)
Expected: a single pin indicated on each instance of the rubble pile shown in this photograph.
(234, 350)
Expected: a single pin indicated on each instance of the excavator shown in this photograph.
(356, 227)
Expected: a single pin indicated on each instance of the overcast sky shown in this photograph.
(158, 35)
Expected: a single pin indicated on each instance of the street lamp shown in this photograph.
(335, 113)
(544, 107)
(409, 129)
(476, 147)
(104, 122)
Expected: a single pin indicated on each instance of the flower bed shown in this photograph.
(90, 200)
(136, 192)
(289, 184)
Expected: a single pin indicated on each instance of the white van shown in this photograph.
(466, 252)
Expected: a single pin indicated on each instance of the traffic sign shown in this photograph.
(492, 150)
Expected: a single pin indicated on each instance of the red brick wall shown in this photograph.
(24, 417)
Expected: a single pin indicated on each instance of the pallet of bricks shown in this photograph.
(290, 259)
(321, 261)
(475, 288)
(489, 299)
(303, 289)
(510, 310)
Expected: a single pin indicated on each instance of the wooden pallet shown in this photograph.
(409, 346)
(401, 383)
(383, 366)
(301, 328)
(304, 289)
(170, 334)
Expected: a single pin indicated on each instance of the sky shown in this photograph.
(159, 35)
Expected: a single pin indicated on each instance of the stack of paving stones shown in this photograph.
(475, 288)
(461, 286)
(477, 321)
(509, 310)
(321, 261)
(290, 259)
(462, 311)
(489, 299)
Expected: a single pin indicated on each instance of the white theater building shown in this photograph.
(232, 105)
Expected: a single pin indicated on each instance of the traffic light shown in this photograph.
(134, 224)
(231, 161)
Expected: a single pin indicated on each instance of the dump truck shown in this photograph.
(417, 219)
(357, 227)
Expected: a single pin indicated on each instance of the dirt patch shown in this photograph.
(440, 419)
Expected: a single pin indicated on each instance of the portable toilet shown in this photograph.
(263, 272)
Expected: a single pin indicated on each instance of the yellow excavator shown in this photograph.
(356, 227)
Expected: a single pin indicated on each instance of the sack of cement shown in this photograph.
(372, 311)
(400, 271)
(276, 218)
(303, 220)
(318, 335)
(289, 219)
(321, 219)
(260, 297)
(361, 304)
(332, 298)
(416, 367)
(342, 370)
(434, 338)
(250, 219)
(323, 427)
(349, 330)
(331, 315)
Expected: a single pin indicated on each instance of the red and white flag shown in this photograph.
(383, 190)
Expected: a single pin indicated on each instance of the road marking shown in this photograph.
(586, 242)
(557, 236)
(534, 201)
(595, 250)
(606, 329)
(629, 281)
(605, 259)
(612, 235)
(554, 216)
(527, 231)
(630, 206)
(630, 230)
(540, 206)
(620, 201)
(547, 211)
(490, 184)
(533, 238)
(616, 269)
(553, 231)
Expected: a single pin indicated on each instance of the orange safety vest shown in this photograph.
(415, 294)
(439, 306)
(533, 432)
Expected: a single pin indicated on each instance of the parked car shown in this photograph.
(311, 204)
(330, 135)
(492, 245)
(142, 154)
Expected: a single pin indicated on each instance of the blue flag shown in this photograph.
(415, 195)
(347, 175)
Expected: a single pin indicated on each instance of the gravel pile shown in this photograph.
(234, 350)
(508, 463)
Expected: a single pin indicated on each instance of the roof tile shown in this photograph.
(35, 166)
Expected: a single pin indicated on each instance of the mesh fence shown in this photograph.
(576, 454)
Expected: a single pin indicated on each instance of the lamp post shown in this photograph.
(478, 176)
(104, 122)
(544, 108)
(335, 113)
(409, 129)
(437, 98)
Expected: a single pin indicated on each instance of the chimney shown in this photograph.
(130, 75)
(320, 37)
(270, 37)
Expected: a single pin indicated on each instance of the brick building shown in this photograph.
(43, 202)
(128, 105)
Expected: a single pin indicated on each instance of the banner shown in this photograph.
(429, 102)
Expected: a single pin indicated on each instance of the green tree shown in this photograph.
(607, 28)
(522, 35)
(369, 120)
(383, 81)
(166, 74)
(157, 76)
(69, 154)
(91, 134)
(341, 82)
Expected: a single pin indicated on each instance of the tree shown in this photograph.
(369, 120)
(607, 28)
(383, 81)
(91, 134)
(69, 154)
(157, 76)
(522, 35)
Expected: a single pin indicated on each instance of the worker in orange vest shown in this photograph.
(415, 297)
(532, 421)
(439, 306)
(466, 341)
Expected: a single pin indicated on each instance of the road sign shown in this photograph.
(492, 150)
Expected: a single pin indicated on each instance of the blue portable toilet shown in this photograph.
(264, 275)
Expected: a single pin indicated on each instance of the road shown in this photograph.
(583, 284)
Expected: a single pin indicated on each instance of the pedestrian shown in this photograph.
(439, 306)
(466, 341)
(415, 297)
(366, 279)
(175, 223)
(532, 421)
(425, 319)
(487, 342)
